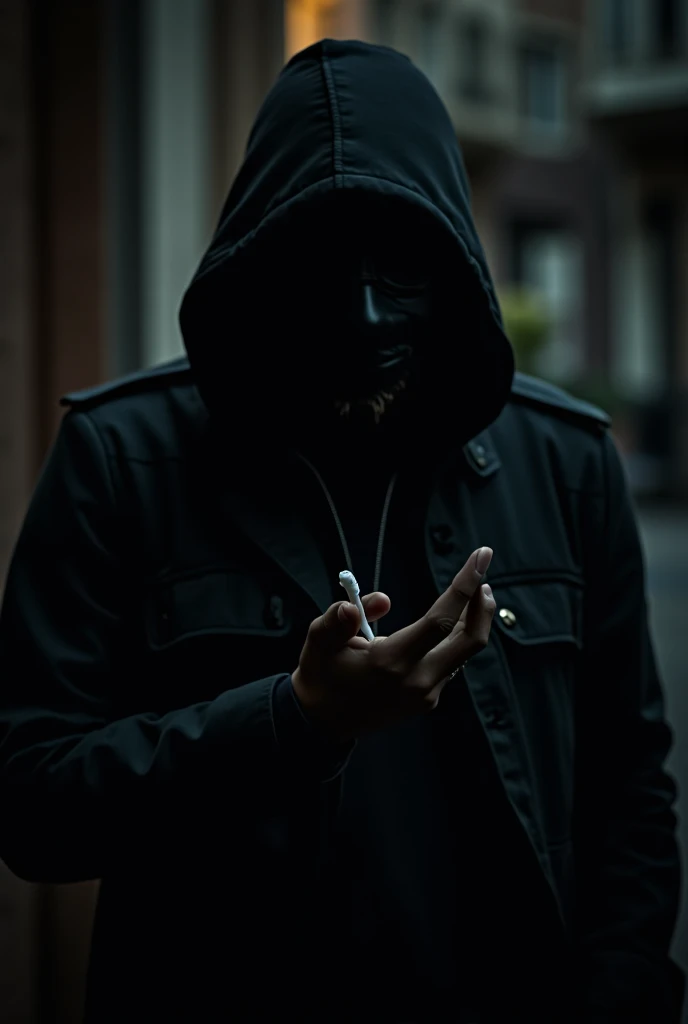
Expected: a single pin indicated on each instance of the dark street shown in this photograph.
(665, 534)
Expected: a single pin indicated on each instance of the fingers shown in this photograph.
(375, 605)
(470, 635)
(331, 632)
(359, 643)
(413, 642)
(479, 613)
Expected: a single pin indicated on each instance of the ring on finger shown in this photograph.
(454, 674)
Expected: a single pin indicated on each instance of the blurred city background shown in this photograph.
(122, 123)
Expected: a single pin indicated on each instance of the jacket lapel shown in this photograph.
(262, 508)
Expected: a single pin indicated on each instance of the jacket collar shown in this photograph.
(258, 501)
(481, 456)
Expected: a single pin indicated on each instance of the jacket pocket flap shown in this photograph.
(533, 613)
(211, 603)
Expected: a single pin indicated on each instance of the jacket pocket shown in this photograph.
(211, 630)
(539, 624)
(538, 613)
(214, 602)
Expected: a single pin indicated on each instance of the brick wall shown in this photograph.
(51, 339)
(16, 272)
(69, 80)
(18, 901)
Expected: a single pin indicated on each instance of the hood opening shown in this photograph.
(349, 130)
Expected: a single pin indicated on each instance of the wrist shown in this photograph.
(299, 690)
(309, 709)
(304, 748)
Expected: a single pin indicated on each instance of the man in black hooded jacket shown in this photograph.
(468, 819)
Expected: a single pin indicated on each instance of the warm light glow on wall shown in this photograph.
(306, 21)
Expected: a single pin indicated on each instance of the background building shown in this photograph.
(123, 122)
(573, 117)
(635, 95)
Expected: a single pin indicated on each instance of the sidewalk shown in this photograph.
(665, 539)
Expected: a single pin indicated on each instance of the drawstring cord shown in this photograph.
(340, 529)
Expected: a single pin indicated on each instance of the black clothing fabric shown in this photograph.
(174, 553)
(155, 601)
(347, 127)
(395, 863)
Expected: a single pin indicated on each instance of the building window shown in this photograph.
(474, 40)
(666, 28)
(428, 31)
(549, 263)
(617, 29)
(543, 87)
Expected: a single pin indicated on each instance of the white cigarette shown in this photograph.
(348, 581)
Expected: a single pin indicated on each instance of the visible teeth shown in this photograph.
(376, 403)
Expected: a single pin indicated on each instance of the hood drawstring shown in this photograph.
(340, 529)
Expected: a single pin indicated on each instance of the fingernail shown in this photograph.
(487, 590)
(482, 560)
(344, 612)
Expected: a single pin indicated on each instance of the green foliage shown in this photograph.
(527, 324)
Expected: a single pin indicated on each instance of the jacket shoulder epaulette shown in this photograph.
(169, 374)
(533, 391)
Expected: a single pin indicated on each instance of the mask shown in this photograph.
(386, 306)
(353, 296)
(368, 316)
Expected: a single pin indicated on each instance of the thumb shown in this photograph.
(333, 630)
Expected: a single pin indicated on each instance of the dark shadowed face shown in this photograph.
(382, 293)
(362, 312)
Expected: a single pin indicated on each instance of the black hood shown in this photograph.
(347, 120)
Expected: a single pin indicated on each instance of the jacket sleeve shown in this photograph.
(81, 787)
(628, 866)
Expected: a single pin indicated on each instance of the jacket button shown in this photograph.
(479, 456)
(441, 539)
(276, 612)
(507, 617)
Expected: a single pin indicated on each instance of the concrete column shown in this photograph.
(636, 357)
(248, 54)
(175, 208)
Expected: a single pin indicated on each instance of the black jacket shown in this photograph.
(159, 595)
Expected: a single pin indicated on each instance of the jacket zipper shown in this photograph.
(340, 528)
